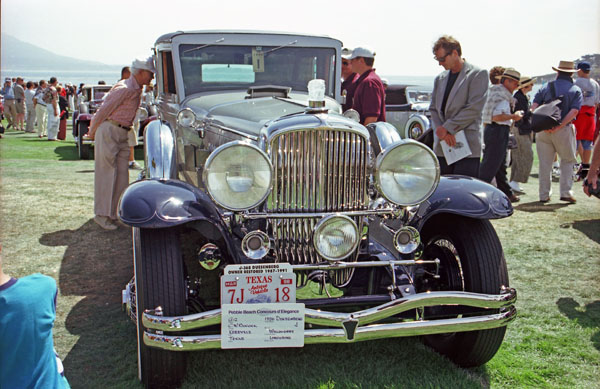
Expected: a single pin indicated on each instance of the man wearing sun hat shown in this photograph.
(369, 95)
(498, 117)
(560, 139)
(109, 128)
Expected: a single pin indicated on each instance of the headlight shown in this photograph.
(335, 237)
(407, 172)
(237, 176)
(186, 118)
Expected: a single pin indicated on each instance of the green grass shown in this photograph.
(552, 251)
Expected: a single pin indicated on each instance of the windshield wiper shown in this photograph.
(203, 46)
(281, 47)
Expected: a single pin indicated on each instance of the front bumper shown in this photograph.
(346, 327)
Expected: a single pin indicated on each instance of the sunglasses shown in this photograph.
(441, 59)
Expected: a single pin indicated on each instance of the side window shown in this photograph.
(168, 75)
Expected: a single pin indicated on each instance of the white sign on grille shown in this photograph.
(262, 325)
(260, 283)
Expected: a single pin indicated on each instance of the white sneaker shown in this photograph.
(514, 185)
(134, 165)
(105, 222)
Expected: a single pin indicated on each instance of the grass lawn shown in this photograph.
(552, 251)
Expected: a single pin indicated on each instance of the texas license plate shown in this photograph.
(259, 283)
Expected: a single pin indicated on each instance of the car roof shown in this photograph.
(169, 36)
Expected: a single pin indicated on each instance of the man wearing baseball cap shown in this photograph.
(350, 77)
(560, 139)
(585, 123)
(369, 96)
(109, 128)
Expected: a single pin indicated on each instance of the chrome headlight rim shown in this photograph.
(212, 157)
(322, 223)
(384, 153)
(186, 118)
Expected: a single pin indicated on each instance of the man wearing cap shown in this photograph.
(560, 139)
(498, 118)
(369, 96)
(109, 128)
(585, 123)
(350, 77)
(459, 94)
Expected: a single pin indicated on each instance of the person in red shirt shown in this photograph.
(369, 96)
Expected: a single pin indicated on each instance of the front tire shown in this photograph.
(159, 278)
(471, 260)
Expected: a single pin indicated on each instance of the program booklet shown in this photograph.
(459, 151)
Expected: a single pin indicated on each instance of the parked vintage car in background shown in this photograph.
(407, 108)
(266, 218)
(90, 100)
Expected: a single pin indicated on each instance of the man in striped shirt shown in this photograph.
(109, 128)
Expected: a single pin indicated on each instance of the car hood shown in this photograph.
(233, 110)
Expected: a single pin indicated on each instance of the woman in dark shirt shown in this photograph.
(522, 156)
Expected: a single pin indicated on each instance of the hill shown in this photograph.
(593, 59)
(22, 56)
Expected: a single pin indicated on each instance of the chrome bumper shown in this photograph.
(348, 327)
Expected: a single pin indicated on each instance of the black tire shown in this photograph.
(83, 150)
(471, 260)
(159, 279)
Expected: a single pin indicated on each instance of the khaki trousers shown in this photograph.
(547, 144)
(30, 118)
(10, 112)
(42, 119)
(111, 173)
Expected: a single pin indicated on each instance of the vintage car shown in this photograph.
(266, 218)
(90, 100)
(407, 108)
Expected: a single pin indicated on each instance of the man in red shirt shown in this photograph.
(369, 96)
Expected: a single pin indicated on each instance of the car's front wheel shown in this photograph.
(471, 259)
(159, 281)
(415, 127)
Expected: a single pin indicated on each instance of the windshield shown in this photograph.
(210, 68)
(419, 95)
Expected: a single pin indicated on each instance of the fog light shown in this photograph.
(407, 240)
(256, 244)
(336, 237)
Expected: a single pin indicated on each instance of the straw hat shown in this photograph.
(526, 81)
(565, 66)
(511, 73)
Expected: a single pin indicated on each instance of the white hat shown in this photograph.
(144, 64)
(362, 52)
(346, 53)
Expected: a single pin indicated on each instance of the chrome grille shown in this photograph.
(315, 170)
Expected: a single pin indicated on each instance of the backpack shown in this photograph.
(547, 115)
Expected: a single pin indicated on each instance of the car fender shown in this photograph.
(84, 116)
(464, 196)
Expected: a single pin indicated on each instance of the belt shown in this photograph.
(43, 105)
(498, 124)
(114, 123)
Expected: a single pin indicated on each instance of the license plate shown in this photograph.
(258, 284)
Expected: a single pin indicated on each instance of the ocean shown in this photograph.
(66, 77)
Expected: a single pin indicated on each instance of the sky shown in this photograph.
(531, 36)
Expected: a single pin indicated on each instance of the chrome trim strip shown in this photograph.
(315, 215)
(376, 331)
(335, 319)
(224, 128)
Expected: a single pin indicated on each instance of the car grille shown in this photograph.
(315, 171)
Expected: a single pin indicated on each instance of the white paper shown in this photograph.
(262, 325)
(459, 151)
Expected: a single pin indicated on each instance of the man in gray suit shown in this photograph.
(459, 94)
